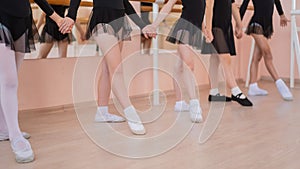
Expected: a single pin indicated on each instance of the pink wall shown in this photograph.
(48, 83)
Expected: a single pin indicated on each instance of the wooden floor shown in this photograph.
(266, 136)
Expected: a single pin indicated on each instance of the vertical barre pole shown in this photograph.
(249, 63)
(155, 11)
(293, 33)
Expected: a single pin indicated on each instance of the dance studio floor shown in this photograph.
(265, 136)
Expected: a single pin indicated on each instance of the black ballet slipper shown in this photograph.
(218, 98)
(243, 102)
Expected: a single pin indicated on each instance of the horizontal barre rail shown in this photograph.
(150, 9)
(90, 3)
(295, 12)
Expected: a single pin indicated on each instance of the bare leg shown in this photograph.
(225, 60)
(186, 54)
(237, 94)
(180, 104)
(112, 56)
(257, 56)
(104, 87)
(62, 49)
(264, 47)
(254, 90)
(44, 50)
(213, 71)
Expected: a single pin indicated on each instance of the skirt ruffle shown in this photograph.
(110, 21)
(261, 27)
(223, 42)
(184, 32)
(50, 33)
(18, 38)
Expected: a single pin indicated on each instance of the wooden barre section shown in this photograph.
(149, 9)
(90, 3)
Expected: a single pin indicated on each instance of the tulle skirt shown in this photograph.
(185, 32)
(223, 42)
(19, 34)
(261, 25)
(51, 33)
(110, 21)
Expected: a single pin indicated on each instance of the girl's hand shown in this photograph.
(149, 31)
(209, 37)
(66, 25)
(283, 20)
(238, 32)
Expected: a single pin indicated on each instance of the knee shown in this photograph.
(190, 65)
(9, 82)
(178, 68)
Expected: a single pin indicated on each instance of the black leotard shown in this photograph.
(50, 32)
(17, 29)
(187, 29)
(21, 8)
(223, 42)
(113, 4)
(261, 21)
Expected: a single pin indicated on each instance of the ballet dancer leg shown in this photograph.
(112, 56)
(9, 101)
(44, 50)
(104, 89)
(62, 48)
(254, 90)
(237, 94)
(186, 53)
(180, 104)
(214, 94)
(263, 45)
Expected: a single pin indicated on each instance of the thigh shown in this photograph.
(262, 43)
(62, 48)
(8, 66)
(110, 48)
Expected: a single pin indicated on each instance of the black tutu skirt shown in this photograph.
(260, 25)
(51, 33)
(222, 43)
(18, 33)
(110, 21)
(185, 32)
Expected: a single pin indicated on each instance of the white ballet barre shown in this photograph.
(295, 46)
(155, 10)
(249, 63)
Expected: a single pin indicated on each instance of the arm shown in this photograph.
(80, 30)
(208, 20)
(279, 7)
(41, 20)
(283, 19)
(243, 8)
(238, 21)
(49, 11)
(129, 10)
(166, 9)
(69, 20)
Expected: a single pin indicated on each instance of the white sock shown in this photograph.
(103, 109)
(236, 90)
(255, 90)
(283, 89)
(194, 102)
(131, 114)
(214, 91)
(181, 102)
